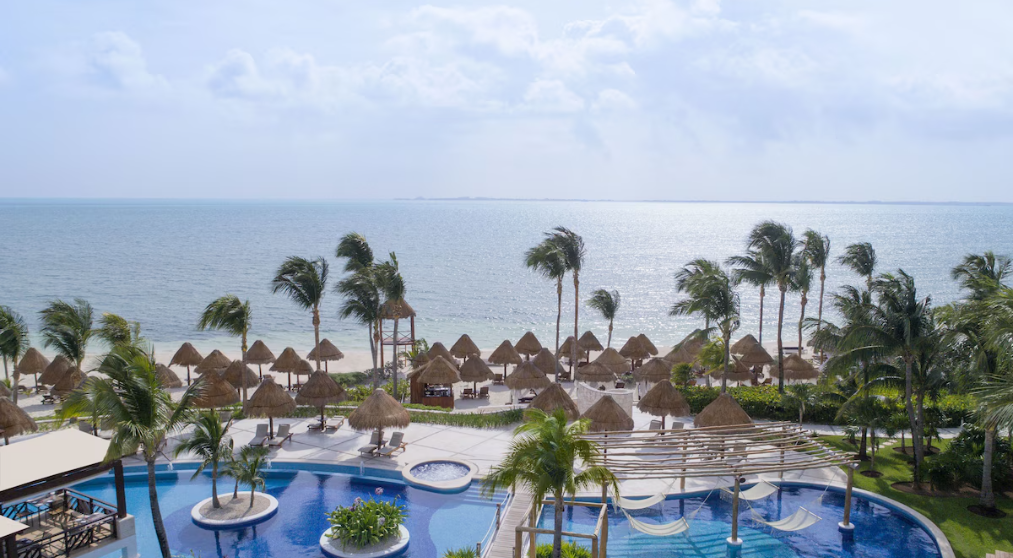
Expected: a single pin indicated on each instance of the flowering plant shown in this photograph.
(365, 522)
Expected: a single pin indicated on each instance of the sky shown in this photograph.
(837, 100)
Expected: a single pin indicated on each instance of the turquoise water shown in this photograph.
(880, 532)
(161, 262)
(436, 522)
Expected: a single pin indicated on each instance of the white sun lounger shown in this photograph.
(260, 437)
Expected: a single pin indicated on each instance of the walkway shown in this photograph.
(503, 543)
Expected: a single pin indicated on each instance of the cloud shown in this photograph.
(552, 96)
(613, 100)
(114, 60)
(237, 76)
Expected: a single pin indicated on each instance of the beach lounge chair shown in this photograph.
(334, 426)
(284, 433)
(655, 425)
(483, 392)
(374, 442)
(260, 436)
(396, 443)
(467, 393)
(497, 379)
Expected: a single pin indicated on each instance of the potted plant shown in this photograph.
(369, 523)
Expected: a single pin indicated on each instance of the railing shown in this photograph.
(598, 538)
(82, 519)
(482, 547)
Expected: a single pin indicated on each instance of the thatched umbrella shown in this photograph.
(663, 400)
(4, 390)
(528, 345)
(167, 377)
(440, 350)
(566, 349)
(723, 411)
(70, 381)
(607, 416)
(798, 368)
(654, 370)
(287, 362)
(739, 372)
(238, 373)
(554, 397)
(527, 376)
(55, 371)
(304, 368)
(215, 392)
(328, 352)
(634, 349)
(186, 356)
(595, 373)
(377, 412)
(319, 391)
(545, 362)
(589, 342)
(505, 354)
(750, 352)
(216, 361)
(611, 359)
(475, 370)
(646, 343)
(260, 355)
(465, 347)
(33, 362)
(271, 401)
(14, 420)
(687, 350)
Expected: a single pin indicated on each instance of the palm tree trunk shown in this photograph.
(801, 318)
(156, 512)
(819, 317)
(6, 377)
(576, 315)
(235, 491)
(609, 344)
(244, 364)
(214, 485)
(916, 434)
(559, 309)
(557, 527)
(780, 347)
(863, 446)
(253, 493)
(394, 351)
(763, 292)
(316, 334)
(987, 498)
(872, 462)
(14, 387)
(724, 377)
(372, 351)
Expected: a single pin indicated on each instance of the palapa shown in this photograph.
(33, 362)
(798, 368)
(545, 362)
(654, 370)
(527, 376)
(475, 370)
(646, 344)
(186, 356)
(595, 373)
(611, 359)
(215, 392)
(304, 368)
(55, 371)
(465, 347)
(14, 420)
(4, 390)
(738, 372)
(528, 345)
(566, 349)
(270, 401)
(377, 412)
(260, 355)
(328, 353)
(750, 352)
(663, 400)
(723, 411)
(589, 342)
(439, 371)
(215, 361)
(70, 381)
(687, 349)
(607, 416)
(634, 349)
(237, 373)
(286, 362)
(555, 397)
(319, 391)
(166, 377)
(440, 350)
(396, 310)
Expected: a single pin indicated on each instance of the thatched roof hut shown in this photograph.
(14, 420)
(555, 397)
(654, 370)
(595, 373)
(215, 361)
(439, 371)
(328, 353)
(259, 354)
(634, 349)
(527, 376)
(723, 411)
(319, 391)
(611, 359)
(287, 361)
(798, 368)
(304, 368)
(238, 373)
(186, 356)
(55, 371)
(475, 370)
(33, 362)
(528, 344)
(545, 362)
(465, 347)
(589, 342)
(271, 401)
(750, 352)
(607, 416)
(377, 412)
(646, 344)
(687, 349)
(396, 310)
(566, 349)
(505, 354)
(439, 350)
(215, 392)
(664, 400)
(166, 377)
(71, 380)
(738, 372)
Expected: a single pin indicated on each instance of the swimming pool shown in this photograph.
(880, 531)
(437, 522)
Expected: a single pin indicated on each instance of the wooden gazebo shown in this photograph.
(390, 312)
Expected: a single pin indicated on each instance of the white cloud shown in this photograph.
(512, 31)
(116, 61)
(237, 76)
(613, 100)
(552, 96)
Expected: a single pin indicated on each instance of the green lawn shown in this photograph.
(972, 536)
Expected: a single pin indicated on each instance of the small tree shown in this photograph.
(211, 442)
(247, 468)
(682, 374)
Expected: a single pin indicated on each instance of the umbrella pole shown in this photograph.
(260, 371)
(290, 381)
(321, 417)
(270, 429)
(327, 367)
(187, 377)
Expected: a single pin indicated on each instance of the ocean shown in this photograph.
(160, 262)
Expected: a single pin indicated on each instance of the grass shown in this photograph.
(971, 536)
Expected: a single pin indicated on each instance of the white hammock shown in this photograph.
(640, 503)
(758, 492)
(664, 530)
(797, 521)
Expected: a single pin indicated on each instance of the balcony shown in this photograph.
(60, 523)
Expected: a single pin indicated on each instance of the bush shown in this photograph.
(568, 550)
(365, 523)
(467, 552)
(961, 462)
(350, 379)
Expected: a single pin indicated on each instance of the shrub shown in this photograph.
(467, 552)
(365, 523)
(961, 462)
(350, 379)
(568, 550)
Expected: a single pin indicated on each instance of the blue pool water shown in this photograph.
(880, 532)
(437, 522)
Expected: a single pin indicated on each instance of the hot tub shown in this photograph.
(440, 475)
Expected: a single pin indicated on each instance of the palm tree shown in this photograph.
(816, 247)
(770, 259)
(116, 330)
(543, 456)
(210, 442)
(13, 341)
(753, 272)
(247, 469)
(982, 275)
(805, 395)
(142, 413)
(362, 302)
(692, 274)
(860, 258)
(230, 315)
(356, 252)
(393, 286)
(305, 282)
(83, 402)
(67, 328)
(547, 260)
(571, 247)
(996, 395)
(608, 304)
(801, 283)
(713, 296)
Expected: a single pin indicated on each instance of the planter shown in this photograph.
(397, 545)
(239, 521)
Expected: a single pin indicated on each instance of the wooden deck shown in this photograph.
(502, 545)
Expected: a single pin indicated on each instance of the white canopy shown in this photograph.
(46, 456)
